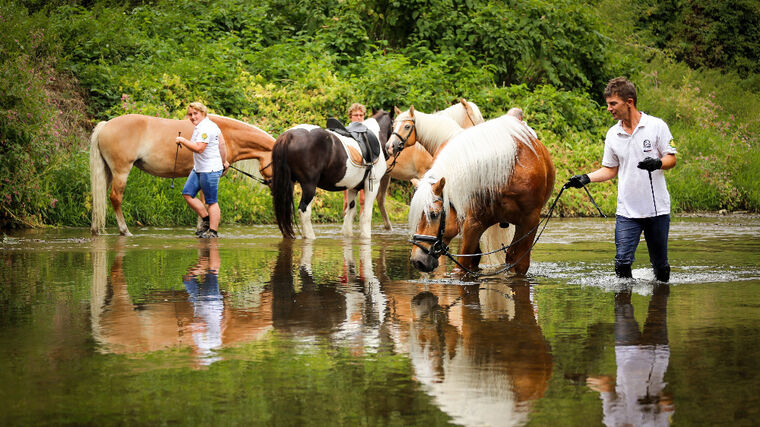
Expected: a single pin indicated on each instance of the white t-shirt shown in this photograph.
(210, 160)
(651, 138)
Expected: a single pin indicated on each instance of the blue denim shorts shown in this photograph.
(628, 233)
(206, 181)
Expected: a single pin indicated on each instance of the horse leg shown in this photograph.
(118, 185)
(348, 218)
(471, 232)
(519, 253)
(365, 218)
(381, 192)
(304, 210)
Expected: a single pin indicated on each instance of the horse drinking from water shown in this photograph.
(493, 173)
(149, 143)
(315, 157)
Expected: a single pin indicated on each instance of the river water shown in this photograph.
(162, 328)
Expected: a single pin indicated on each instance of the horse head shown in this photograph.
(437, 225)
(404, 131)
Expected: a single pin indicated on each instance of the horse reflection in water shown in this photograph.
(638, 397)
(198, 319)
(477, 350)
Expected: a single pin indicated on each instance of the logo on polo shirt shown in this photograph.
(647, 146)
(204, 136)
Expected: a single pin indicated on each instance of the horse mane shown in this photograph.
(458, 113)
(476, 164)
(433, 129)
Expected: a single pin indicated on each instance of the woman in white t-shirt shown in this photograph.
(209, 162)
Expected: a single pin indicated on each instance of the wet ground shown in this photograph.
(162, 328)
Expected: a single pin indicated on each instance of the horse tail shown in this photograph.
(282, 186)
(492, 239)
(100, 177)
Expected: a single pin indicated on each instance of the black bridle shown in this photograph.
(401, 144)
(437, 246)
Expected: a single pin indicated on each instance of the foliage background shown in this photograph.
(68, 64)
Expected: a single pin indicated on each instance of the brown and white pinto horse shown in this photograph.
(411, 164)
(493, 173)
(315, 157)
(149, 143)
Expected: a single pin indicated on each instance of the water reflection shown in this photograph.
(197, 318)
(482, 355)
(636, 396)
(202, 285)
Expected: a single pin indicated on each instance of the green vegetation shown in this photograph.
(67, 64)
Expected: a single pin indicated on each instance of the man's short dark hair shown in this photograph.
(621, 87)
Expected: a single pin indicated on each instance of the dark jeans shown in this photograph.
(628, 233)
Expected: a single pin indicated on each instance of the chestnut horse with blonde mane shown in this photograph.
(149, 143)
(490, 174)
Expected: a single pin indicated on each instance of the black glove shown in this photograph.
(578, 181)
(650, 164)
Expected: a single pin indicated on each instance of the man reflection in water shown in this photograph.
(208, 305)
(642, 359)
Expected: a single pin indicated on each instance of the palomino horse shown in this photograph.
(493, 173)
(149, 143)
(411, 164)
(434, 131)
(315, 158)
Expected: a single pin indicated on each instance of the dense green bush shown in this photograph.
(707, 33)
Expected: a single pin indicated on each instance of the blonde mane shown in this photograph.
(432, 129)
(459, 114)
(476, 163)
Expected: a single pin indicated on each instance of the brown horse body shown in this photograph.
(488, 189)
(149, 143)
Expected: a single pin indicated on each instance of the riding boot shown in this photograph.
(662, 274)
(623, 271)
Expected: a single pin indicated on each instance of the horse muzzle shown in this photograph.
(422, 261)
(426, 259)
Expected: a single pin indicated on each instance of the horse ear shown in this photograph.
(396, 110)
(411, 110)
(438, 187)
(463, 102)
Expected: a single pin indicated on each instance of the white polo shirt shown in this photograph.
(210, 160)
(651, 138)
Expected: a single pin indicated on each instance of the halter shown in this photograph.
(437, 245)
(397, 147)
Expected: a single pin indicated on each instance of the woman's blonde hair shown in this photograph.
(197, 106)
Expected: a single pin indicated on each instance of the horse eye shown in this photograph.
(407, 126)
(435, 214)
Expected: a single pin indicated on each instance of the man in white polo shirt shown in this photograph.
(210, 160)
(637, 150)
